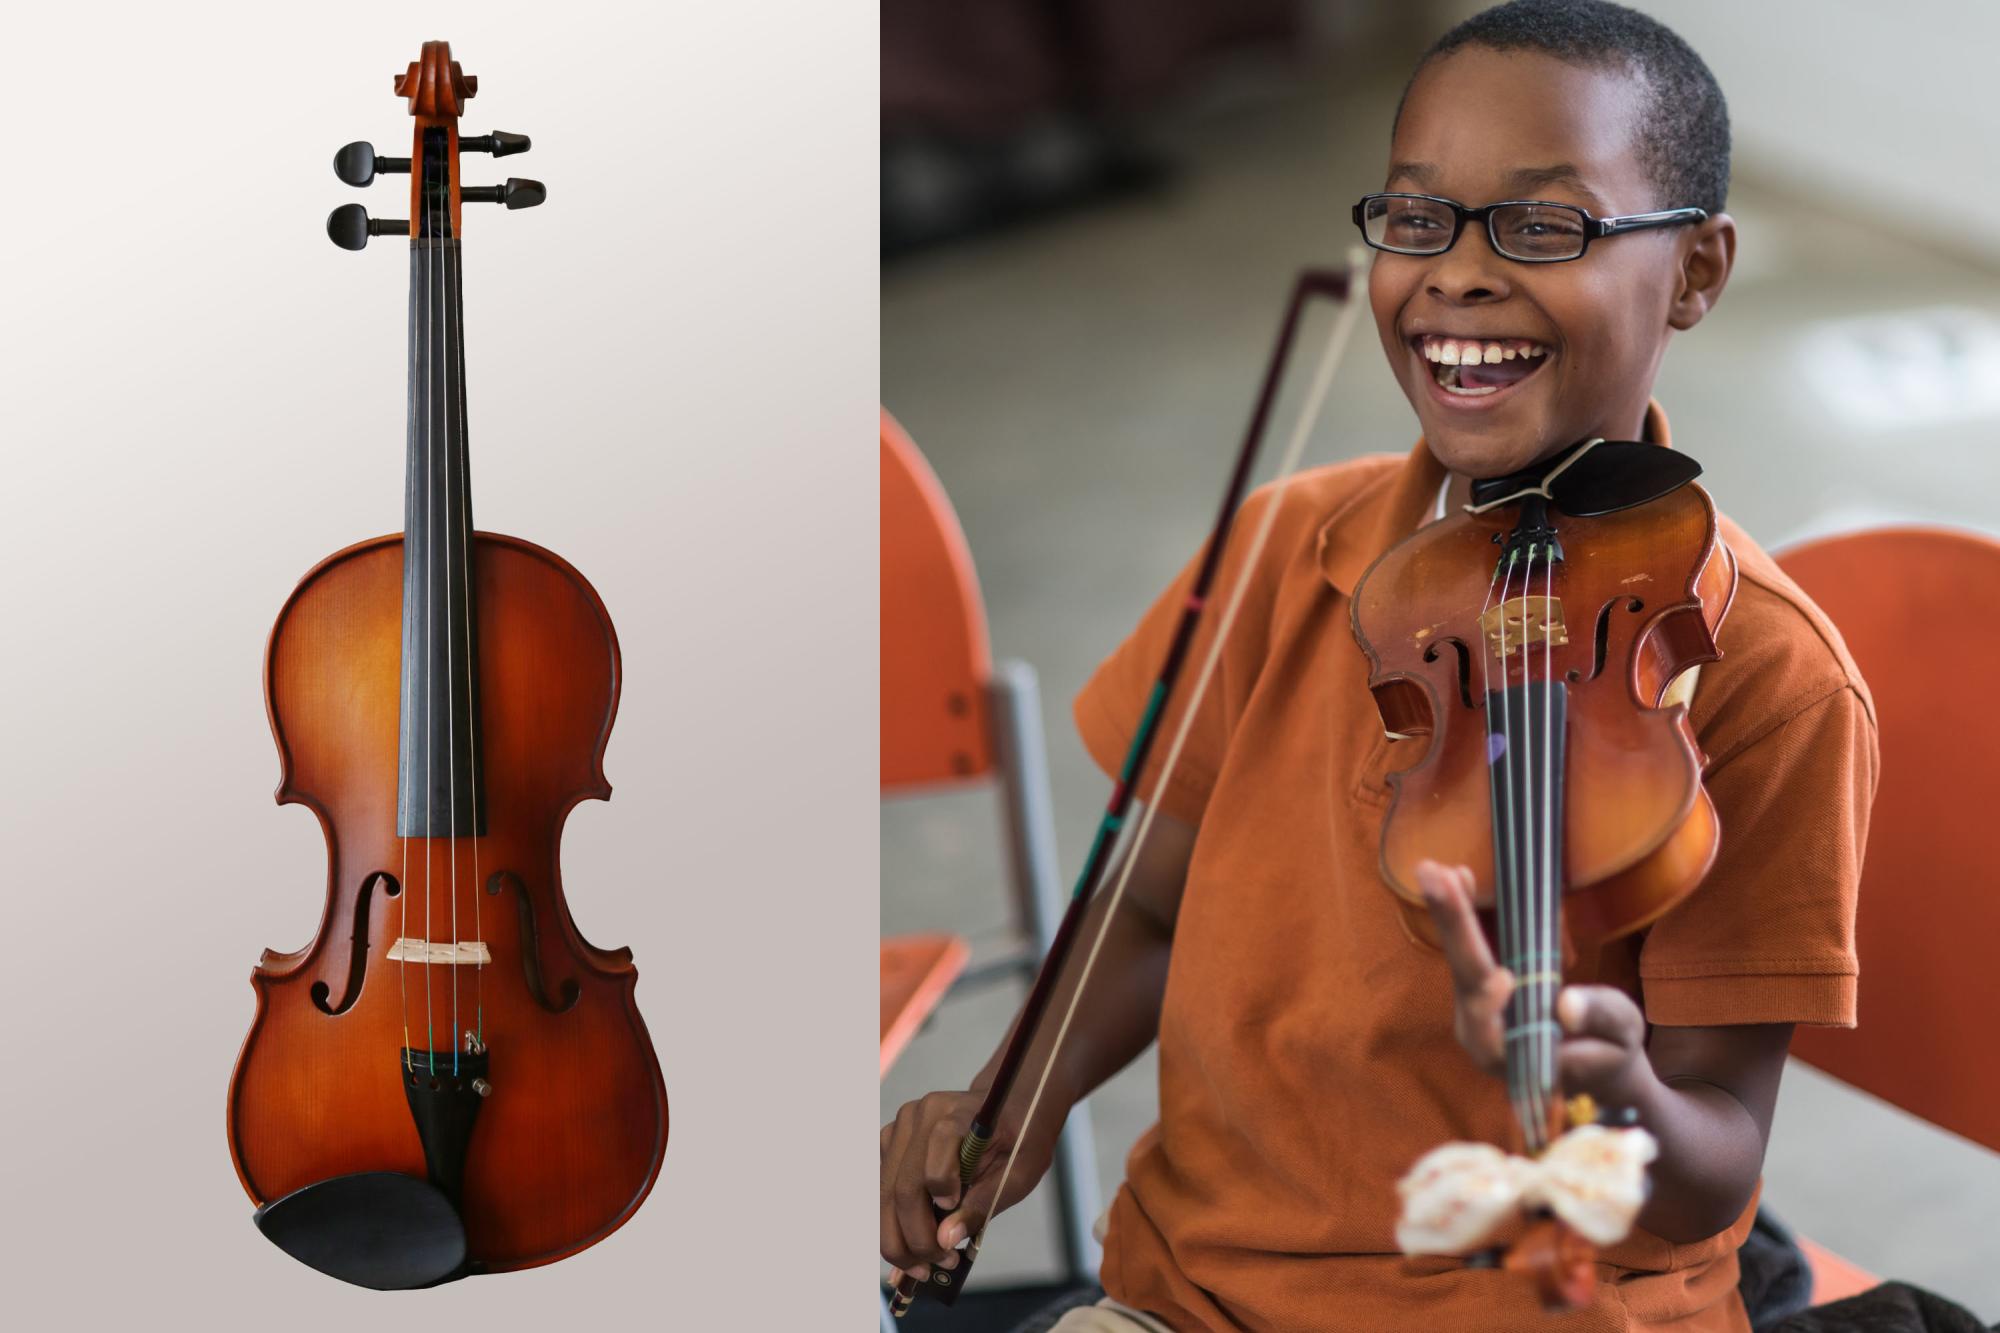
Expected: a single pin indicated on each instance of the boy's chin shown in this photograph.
(1482, 454)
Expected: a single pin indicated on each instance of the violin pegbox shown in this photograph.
(437, 88)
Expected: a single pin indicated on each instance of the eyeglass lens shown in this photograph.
(1522, 231)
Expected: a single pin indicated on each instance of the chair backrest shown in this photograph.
(1920, 610)
(936, 663)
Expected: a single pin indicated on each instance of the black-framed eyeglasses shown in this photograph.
(1531, 231)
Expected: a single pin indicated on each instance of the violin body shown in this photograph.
(571, 1139)
(1640, 596)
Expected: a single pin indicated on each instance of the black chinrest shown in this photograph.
(1609, 475)
(375, 1229)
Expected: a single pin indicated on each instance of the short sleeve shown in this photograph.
(1768, 937)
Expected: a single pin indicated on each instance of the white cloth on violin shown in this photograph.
(1462, 1197)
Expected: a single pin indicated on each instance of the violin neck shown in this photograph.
(440, 793)
(1526, 726)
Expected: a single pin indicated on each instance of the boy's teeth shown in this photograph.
(1460, 352)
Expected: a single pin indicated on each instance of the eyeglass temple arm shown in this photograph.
(1640, 221)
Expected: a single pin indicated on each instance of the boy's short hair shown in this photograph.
(1683, 135)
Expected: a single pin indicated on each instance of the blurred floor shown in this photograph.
(1080, 386)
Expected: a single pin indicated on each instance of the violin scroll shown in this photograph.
(435, 84)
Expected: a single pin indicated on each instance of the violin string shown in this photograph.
(1336, 346)
(1502, 906)
(447, 241)
(430, 723)
(406, 708)
(1506, 880)
(1536, 962)
(1519, 880)
(1527, 968)
(465, 557)
(1551, 851)
(1543, 965)
(1537, 861)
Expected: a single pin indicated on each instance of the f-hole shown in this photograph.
(1632, 604)
(357, 954)
(1464, 666)
(531, 945)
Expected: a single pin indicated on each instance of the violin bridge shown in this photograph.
(1524, 621)
(406, 950)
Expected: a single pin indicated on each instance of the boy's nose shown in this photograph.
(1469, 273)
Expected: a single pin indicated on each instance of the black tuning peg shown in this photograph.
(516, 193)
(357, 164)
(499, 143)
(349, 227)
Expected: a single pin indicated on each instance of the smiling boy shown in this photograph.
(1310, 1051)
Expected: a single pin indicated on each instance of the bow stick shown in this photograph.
(943, 1283)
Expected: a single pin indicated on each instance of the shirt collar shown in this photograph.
(1381, 514)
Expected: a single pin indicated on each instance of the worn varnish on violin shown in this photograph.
(1527, 650)
(449, 1078)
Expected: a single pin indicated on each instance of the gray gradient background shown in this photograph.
(672, 375)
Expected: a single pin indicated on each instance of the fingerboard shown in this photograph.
(1526, 729)
(440, 790)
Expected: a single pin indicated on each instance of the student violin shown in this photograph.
(1531, 644)
(449, 1078)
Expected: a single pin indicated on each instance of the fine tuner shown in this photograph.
(349, 226)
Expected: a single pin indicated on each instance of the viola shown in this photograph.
(449, 1079)
(1530, 646)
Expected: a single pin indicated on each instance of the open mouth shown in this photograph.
(1469, 368)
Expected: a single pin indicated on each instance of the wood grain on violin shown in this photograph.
(1644, 589)
(441, 700)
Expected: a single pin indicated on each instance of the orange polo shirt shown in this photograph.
(1306, 1048)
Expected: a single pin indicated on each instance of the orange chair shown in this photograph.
(951, 717)
(1920, 610)
(917, 970)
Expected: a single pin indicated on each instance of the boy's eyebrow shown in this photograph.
(1519, 183)
(1562, 173)
(1420, 174)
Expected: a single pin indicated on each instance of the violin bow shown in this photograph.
(944, 1284)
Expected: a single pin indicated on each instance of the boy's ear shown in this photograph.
(1704, 271)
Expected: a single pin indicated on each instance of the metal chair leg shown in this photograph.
(1040, 899)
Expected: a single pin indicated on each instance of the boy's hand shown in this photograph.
(1604, 1033)
(920, 1168)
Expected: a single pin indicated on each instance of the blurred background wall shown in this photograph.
(1010, 107)
(1091, 214)
(1884, 111)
